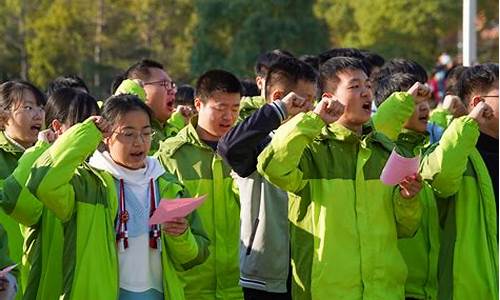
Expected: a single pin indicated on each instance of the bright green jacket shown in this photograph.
(5, 261)
(421, 251)
(249, 105)
(42, 231)
(203, 172)
(85, 200)
(468, 262)
(344, 221)
(163, 132)
(441, 117)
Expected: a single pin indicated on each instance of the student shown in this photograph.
(43, 231)
(92, 204)
(160, 93)
(23, 103)
(290, 88)
(191, 156)
(8, 286)
(468, 206)
(344, 221)
(68, 81)
(262, 65)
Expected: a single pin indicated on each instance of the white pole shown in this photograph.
(469, 45)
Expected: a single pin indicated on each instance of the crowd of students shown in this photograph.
(290, 165)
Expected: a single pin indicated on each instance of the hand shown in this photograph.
(294, 104)
(420, 92)
(328, 109)
(102, 124)
(176, 227)
(482, 113)
(186, 112)
(454, 105)
(410, 186)
(47, 135)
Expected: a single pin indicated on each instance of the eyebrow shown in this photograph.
(130, 127)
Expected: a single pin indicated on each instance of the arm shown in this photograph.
(240, 146)
(441, 117)
(17, 200)
(280, 161)
(53, 170)
(444, 167)
(393, 113)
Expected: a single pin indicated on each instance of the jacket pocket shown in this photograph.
(252, 236)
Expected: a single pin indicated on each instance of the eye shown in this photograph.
(27, 107)
(354, 86)
(147, 133)
(128, 133)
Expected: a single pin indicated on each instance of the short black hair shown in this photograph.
(376, 60)
(452, 77)
(11, 92)
(185, 95)
(250, 88)
(402, 65)
(346, 52)
(66, 81)
(335, 65)
(393, 83)
(312, 60)
(477, 79)
(139, 70)
(287, 71)
(70, 106)
(266, 59)
(117, 106)
(217, 80)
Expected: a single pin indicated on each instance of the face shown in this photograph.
(218, 114)
(304, 89)
(419, 118)
(160, 93)
(130, 141)
(26, 120)
(354, 91)
(491, 99)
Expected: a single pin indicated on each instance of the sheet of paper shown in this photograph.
(170, 209)
(399, 167)
(6, 270)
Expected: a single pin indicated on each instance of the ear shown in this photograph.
(197, 103)
(276, 95)
(259, 80)
(474, 101)
(56, 126)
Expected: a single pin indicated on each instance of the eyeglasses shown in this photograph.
(167, 84)
(490, 96)
(129, 135)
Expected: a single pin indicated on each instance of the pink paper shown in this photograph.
(399, 167)
(176, 208)
(6, 270)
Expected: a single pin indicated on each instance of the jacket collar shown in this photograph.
(7, 145)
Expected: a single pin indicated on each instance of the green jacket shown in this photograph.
(421, 252)
(203, 172)
(163, 132)
(442, 117)
(5, 261)
(249, 105)
(344, 220)
(86, 201)
(42, 231)
(468, 262)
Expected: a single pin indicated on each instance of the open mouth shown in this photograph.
(138, 154)
(367, 106)
(36, 127)
(423, 118)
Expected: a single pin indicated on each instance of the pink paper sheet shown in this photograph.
(176, 208)
(399, 167)
(6, 270)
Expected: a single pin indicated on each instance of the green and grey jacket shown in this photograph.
(203, 172)
(85, 200)
(468, 260)
(344, 221)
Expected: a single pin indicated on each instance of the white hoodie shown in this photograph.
(140, 265)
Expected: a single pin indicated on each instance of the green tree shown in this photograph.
(231, 34)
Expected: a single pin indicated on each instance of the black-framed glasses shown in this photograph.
(489, 96)
(167, 84)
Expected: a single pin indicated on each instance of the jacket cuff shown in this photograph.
(280, 109)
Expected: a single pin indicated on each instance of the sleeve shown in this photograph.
(51, 175)
(190, 248)
(441, 117)
(393, 113)
(17, 200)
(174, 124)
(408, 214)
(240, 146)
(279, 162)
(444, 166)
(5, 261)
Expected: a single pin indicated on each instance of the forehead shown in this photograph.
(348, 75)
(305, 88)
(158, 74)
(133, 118)
(223, 98)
